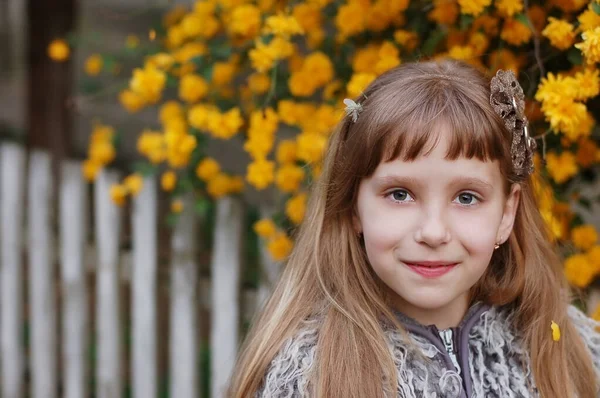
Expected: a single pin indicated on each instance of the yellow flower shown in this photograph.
(560, 33)
(118, 194)
(207, 169)
(310, 146)
(168, 180)
(262, 57)
(302, 84)
(351, 19)
(131, 101)
(308, 16)
(319, 65)
(259, 83)
(170, 110)
(149, 83)
(516, 33)
(569, 117)
(590, 47)
(561, 167)
(407, 39)
(286, 152)
(265, 228)
(584, 236)
(280, 247)
(219, 185)
(93, 65)
(509, 8)
(152, 145)
(134, 183)
(553, 89)
(473, 7)
(444, 12)
(587, 84)
(579, 271)
(295, 208)
(555, 331)
(245, 21)
(260, 173)
(223, 72)
(225, 126)
(174, 15)
(283, 26)
(588, 19)
(389, 57)
(192, 88)
(90, 169)
(593, 255)
(177, 206)
(58, 50)
(358, 83)
(289, 177)
(102, 152)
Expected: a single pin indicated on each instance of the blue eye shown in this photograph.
(467, 199)
(400, 195)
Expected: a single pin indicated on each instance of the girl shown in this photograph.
(423, 268)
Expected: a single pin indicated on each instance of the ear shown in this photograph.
(509, 214)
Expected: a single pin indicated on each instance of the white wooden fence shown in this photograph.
(68, 327)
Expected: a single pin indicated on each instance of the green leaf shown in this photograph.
(523, 19)
(466, 21)
(574, 56)
(596, 7)
(172, 219)
(144, 168)
(207, 73)
(202, 207)
(432, 41)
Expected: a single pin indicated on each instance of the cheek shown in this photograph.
(477, 232)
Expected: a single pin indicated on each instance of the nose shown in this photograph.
(432, 229)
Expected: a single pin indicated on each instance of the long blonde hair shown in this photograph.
(328, 272)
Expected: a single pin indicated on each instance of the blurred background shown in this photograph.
(156, 155)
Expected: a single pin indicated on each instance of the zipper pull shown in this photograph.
(448, 341)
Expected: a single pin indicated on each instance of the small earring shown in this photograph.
(497, 245)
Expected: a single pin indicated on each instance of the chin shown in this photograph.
(428, 300)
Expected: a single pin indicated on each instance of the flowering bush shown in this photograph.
(235, 69)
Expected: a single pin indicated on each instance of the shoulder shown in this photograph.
(589, 330)
(288, 373)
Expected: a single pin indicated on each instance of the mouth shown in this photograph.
(431, 264)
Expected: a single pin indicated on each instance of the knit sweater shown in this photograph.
(493, 364)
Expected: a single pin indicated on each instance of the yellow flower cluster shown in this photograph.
(101, 151)
(218, 183)
(221, 125)
(279, 244)
(148, 83)
(315, 72)
(93, 64)
(562, 99)
(132, 185)
(590, 47)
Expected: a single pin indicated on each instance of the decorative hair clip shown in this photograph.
(353, 109)
(508, 101)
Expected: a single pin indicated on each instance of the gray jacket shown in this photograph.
(482, 357)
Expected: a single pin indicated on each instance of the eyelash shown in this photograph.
(478, 200)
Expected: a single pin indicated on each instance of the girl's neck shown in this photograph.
(443, 317)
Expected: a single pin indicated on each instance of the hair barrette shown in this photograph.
(353, 109)
(508, 101)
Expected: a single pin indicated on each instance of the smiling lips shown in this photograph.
(431, 264)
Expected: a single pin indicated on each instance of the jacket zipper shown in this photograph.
(447, 337)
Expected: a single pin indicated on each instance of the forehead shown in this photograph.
(435, 163)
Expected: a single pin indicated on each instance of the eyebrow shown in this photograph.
(386, 181)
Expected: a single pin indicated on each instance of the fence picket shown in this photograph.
(269, 267)
(143, 286)
(225, 266)
(41, 277)
(12, 157)
(75, 314)
(107, 232)
(184, 279)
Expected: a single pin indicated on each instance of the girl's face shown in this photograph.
(433, 210)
